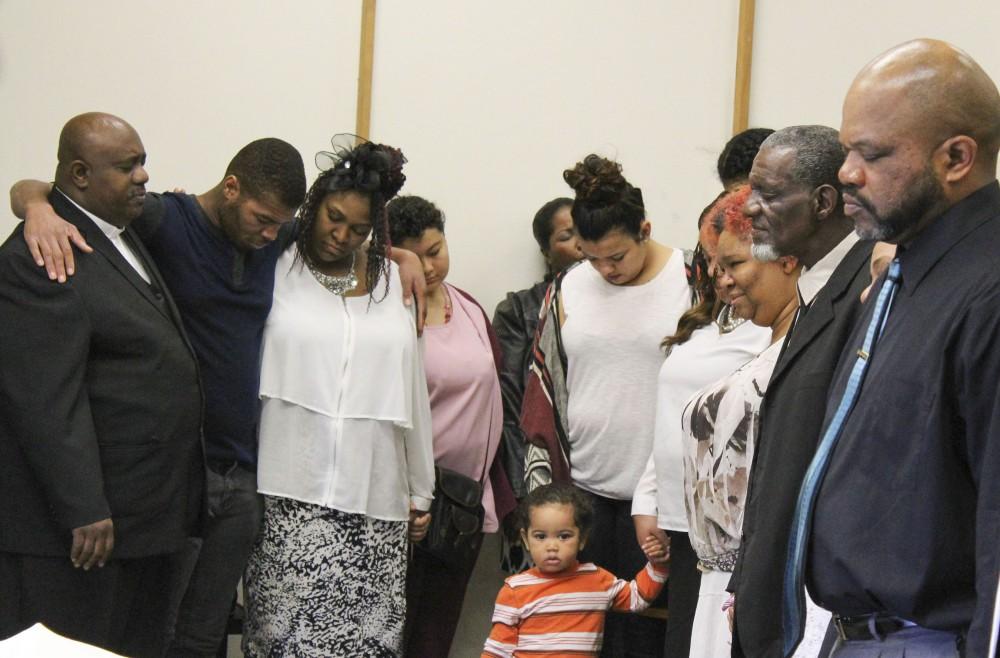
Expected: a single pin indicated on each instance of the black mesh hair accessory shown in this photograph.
(358, 164)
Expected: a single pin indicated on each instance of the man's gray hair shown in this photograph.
(818, 154)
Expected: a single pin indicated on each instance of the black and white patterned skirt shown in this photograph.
(321, 582)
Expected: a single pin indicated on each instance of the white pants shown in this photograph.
(710, 636)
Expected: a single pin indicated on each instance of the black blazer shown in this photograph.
(100, 402)
(791, 418)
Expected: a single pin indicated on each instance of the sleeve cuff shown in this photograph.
(643, 505)
(420, 503)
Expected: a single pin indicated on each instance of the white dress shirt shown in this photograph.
(813, 279)
(114, 234)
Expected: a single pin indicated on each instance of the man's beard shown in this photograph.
(764, 252)
(925, 193)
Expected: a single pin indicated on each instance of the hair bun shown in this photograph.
(597, 181)
(367, 167)
(392, 176)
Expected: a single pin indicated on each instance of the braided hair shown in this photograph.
(372, 170)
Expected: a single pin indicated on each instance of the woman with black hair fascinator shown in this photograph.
(346, 464)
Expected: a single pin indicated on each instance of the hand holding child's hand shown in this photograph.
(656, 546)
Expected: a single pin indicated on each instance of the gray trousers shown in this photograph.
(216, 563)
(915, 642)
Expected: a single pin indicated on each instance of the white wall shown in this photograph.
(490, 101)
(198, 80)
(807, 53)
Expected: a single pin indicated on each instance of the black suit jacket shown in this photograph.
(791, 418)
(100, 403)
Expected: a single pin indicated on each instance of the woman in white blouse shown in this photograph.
(719, 422)
(346, 465)
(710, 342)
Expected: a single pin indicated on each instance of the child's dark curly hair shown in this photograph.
(558, 494)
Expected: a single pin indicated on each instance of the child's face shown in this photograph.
(552, 537)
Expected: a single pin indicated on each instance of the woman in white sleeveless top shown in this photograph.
(608, 317)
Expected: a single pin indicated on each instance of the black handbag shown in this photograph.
(455, 531)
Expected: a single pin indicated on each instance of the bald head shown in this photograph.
(921, 129)
(101, 166)
(86, 132)
(942, 91)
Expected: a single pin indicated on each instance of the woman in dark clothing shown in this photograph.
(515, 320)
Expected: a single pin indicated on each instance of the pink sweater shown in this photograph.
(466, 410)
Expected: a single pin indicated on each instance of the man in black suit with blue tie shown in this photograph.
(797, 209)
(101, 466)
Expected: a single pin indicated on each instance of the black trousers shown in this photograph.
(611, 544)
(123, 607)
(434, 595)
(682, 596)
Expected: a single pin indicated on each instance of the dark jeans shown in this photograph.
(682, 595)
(611, 544)
(913, 642)
(235, 510)
(434, 596)
(120, 607)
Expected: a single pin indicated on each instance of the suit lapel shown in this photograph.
(102, 245)
(821, 311)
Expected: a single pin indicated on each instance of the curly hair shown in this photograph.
(730, 206)
(557, 493)
(270, 167)
(604, 199)
(410, 216)
(737, 155)
(375, 171)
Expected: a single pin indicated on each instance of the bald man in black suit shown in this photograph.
(101, 463)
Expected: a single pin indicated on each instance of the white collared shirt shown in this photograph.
(114, 234)
(814, 278)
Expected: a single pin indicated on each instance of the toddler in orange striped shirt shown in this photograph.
(557, 608)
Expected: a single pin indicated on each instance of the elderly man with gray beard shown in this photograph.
(796, 210)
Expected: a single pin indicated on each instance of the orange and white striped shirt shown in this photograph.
(548, 616)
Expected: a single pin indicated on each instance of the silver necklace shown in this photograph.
(338, 285)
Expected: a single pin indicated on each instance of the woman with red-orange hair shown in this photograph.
(719, 422)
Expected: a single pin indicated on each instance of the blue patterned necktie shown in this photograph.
(793, 609)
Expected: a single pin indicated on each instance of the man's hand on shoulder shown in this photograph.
(49, 237)
(50, 240)
(92, 544)
(411, 277)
